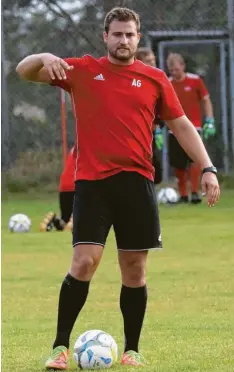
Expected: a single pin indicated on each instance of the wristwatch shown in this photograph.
(211, 169)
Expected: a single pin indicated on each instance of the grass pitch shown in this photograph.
(190, 318)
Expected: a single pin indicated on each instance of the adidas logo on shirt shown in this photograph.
(99, 77)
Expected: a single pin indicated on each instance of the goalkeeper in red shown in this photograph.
(195, 100)
(147, 56)
(114, 99)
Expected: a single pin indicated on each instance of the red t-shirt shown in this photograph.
(190, 92)
(67, 178)
(114, 109)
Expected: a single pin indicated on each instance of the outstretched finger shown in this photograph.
(219, 192)
(56, 70)
(215, 196)
(209, 195)
(65, 65)
(51, 73)
(62, 72)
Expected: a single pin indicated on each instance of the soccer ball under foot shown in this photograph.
(95, 349)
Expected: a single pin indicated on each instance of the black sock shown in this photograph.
(133, 305)
(72, 298)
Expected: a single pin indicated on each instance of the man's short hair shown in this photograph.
(122, 15)
(173, 58)
(143, 52)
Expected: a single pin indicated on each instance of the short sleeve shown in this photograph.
(168, 107)
(201, 89)
(79, 64)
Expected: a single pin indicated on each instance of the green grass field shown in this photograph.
(189, 326)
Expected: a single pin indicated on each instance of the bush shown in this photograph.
(37, 170)
(34, 170)
(227, 180)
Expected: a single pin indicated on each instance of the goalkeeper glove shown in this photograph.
(159, 139)
(209, 129)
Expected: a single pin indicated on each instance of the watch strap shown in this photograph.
(211, 169)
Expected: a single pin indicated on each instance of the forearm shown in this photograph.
(207, 108)
(30, 66)
(190, 140)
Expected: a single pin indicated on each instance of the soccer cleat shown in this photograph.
(58, 359)
(195, 198)
(59, 224)
(48, 222)
(132, 358)
(183, 200)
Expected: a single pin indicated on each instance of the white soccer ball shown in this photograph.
(168, 195)
(19, 223)
(95, 349)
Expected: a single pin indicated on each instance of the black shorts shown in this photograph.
(178, 158)
(127, 201)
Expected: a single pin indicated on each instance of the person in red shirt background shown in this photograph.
(147, 56)
(195, 100)
(66, 191)
(114, 99)
(66, 196)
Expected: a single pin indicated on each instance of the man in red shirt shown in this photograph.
(194, 98)
(114, 178)
(147, 56)
(66, 192)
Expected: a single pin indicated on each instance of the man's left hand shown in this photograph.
(210, 188)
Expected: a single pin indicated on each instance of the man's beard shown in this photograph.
(122, 57)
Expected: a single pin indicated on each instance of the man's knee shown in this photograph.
(84, 264)
(133, 272)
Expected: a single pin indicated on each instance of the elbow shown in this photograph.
(22, 71)
(19, 70)
(179, 124)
